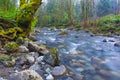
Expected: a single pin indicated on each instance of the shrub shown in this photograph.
(109, 23)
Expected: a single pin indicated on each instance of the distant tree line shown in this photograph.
(68, 12)
(72, 12)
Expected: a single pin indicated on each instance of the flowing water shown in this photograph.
(86, 57)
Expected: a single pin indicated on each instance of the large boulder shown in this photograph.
(53, 57)
(33, 47)
(25, 75)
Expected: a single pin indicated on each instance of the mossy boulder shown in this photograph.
(4, 57)
(7, 60)
(11, 47)
(52, 57)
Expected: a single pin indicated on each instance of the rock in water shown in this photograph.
(117, 44)
(59, 71)
(25, 75)
(42, 51)
(33, 38)
(104, 40)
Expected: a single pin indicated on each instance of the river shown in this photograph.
(86, 57)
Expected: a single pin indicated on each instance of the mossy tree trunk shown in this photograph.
(22, 24)
(26, 14)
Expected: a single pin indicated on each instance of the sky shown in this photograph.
(44, 0)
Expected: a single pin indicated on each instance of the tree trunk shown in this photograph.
(22, 24)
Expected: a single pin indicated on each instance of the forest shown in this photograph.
(59, 39)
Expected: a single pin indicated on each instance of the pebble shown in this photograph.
(59, 71)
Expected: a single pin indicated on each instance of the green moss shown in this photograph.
(4, 57)
(20, 40)
(63, 33)
(26, 15)
(7, 60)
(34, 22)
(9, 63)
(11, 47)
(11, 33)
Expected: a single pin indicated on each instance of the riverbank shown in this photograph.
(82, 56)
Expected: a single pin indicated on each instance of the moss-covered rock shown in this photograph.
(11, 47)
(7, 60)
(52, 57)
(4, 57)
(20, 40)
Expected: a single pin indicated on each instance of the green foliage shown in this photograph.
(9, 15)
(34, 22)
(110, 23)
(8, 9)
(11, 47)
